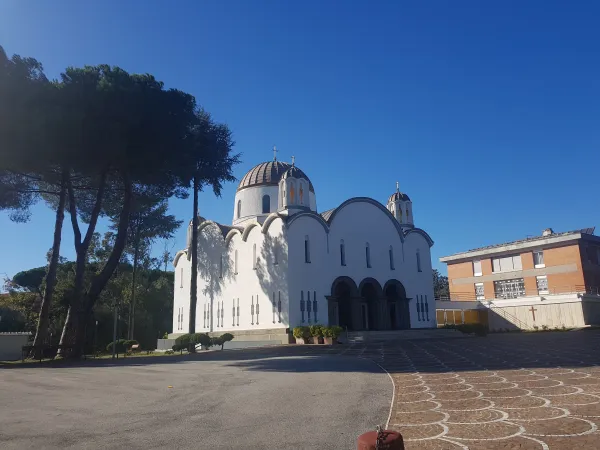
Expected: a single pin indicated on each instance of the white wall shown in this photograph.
(357, 223)
(249, 285)
(11, 345)
(251, 199)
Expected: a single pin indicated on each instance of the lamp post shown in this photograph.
(96, 340)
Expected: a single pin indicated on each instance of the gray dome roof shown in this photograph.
(270, 173)
(398, 196)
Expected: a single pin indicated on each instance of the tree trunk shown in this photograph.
(99, 281)
(194, 270)
(76, 312)
(41, 334)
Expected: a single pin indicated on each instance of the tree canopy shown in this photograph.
(99, 141)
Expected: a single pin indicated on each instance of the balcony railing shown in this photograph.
(555, 290)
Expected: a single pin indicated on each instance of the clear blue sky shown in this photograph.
(487, 113)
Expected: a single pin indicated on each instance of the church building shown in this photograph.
(281, 264)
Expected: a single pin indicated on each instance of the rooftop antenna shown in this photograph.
(275, 153)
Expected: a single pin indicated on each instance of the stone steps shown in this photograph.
(358, 337)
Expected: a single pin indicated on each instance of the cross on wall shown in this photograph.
(533, 310)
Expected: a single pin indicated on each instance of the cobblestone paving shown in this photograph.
(518, 391)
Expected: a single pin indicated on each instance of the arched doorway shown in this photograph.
(342, 304)
(370, 307)
(397, 311)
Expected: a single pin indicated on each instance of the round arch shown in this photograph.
(374, 283)
(394, 285)
(349, 282)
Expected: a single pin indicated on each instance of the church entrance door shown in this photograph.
(344, 309)
(398, 310)
(364, 316)
(393, 321)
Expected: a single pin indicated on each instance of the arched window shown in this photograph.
(399, 213)
(302, 304)
(292, 192)
(254, 256)
(301, 195)
(306, 249)
(266, 204)
(275, 254)
(419, 261)
(342, 253)
(368, 254)
(235, 262)
(221, 267)
(392, 266)
(239, 209)
(407, 212)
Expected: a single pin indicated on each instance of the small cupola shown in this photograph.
(400, 206)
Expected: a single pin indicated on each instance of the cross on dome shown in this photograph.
(275, 153)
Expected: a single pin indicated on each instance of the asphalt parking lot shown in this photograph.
(248, 399)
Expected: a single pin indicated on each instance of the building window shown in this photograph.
(479, 291)
(306, 249)
(239, 209)
(506, 263)
(235, 262)
(407, 213)
(538, 259)
(315, 305)
(275, 254)
(542, 284)
(477, 268)
(266, 204)
(221, 267)
(419, 261)
(181, 278)
(302, 304)
(368, 254)
(254, 256)
(342, 253)
(509, 288)
(391, 251)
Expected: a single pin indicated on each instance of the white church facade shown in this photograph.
(281, 264)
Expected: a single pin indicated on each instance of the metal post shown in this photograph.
(96, 340)
(114, 347)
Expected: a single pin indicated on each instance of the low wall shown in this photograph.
(527, 313)
(11, 344)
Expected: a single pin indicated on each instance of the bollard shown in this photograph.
(389, 440)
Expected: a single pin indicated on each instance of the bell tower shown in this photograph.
(400, 205)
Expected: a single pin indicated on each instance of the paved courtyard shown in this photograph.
(518, 391)
(509, 391)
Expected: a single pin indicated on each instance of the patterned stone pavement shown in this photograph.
(517, 391)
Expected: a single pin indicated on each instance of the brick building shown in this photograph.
(557, 273)
(553, 263)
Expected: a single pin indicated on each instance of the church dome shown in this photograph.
(398, 196)
(270, 174)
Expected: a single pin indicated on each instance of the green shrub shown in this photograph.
(316, 330)
(169, 352)
(332, 332)
(301, 332)
(223, 338)
(166, 335)
(189, 341)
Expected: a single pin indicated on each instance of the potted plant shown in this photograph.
(316, 331)
(302, 335)
(331, 334)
